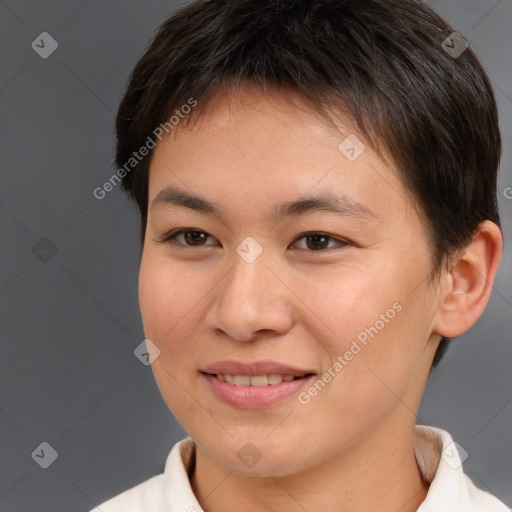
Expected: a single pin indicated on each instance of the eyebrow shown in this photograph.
(327, 201)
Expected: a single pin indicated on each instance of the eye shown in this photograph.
(186, 238)
(317, 241)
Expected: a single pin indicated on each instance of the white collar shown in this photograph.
(436, 454)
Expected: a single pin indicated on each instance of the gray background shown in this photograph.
(70, 320)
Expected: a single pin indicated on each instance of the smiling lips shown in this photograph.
(258, 373)
(254, 385)
(255, 380)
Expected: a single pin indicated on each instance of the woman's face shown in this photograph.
(257, 286)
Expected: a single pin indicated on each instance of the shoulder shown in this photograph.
(146, 496)
(440, 460)
(160, 492)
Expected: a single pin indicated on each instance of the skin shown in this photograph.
(351, 446)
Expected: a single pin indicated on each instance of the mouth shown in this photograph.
(255, 385)
(261, 369)
(269, 379)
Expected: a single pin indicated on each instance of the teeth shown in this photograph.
(255, 380)
(275, 378)
(242, 380)
(259, 380)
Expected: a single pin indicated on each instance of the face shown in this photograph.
(243, 282)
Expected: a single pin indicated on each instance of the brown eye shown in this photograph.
(195, 237)
(184, 238)
(317, 241)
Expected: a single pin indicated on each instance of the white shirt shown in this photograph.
(450, 489)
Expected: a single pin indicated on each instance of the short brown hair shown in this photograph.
(382, 62)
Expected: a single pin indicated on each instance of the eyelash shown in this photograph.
(171, 237)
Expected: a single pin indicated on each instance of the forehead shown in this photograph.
(262, 148)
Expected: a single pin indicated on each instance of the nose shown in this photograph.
(250, 302)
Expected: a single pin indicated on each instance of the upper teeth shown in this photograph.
(255, 380)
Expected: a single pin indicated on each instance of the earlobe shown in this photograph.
(469, 282)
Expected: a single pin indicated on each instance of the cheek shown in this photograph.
(340, 306)
(167, 298)
(372, 331)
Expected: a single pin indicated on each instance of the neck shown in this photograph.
(377, 473)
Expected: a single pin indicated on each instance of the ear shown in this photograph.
(467, 285)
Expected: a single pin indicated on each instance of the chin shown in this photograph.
(259, 458)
